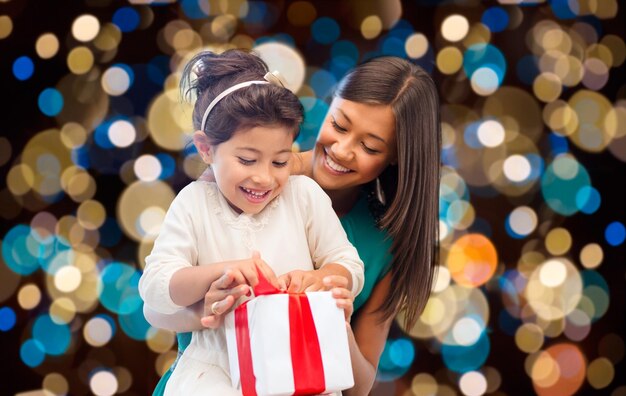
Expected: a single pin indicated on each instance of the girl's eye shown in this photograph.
(369, 150)
(280, 164)
(337, 127)
(245, 161)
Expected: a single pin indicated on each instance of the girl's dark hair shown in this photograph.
(412, 186)
(254, 105)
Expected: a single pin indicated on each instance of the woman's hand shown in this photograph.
(221, 298)
(345, 299)
(239, 278)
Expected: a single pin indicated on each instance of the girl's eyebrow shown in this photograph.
(257, 151)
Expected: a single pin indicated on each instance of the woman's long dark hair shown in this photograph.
(412, 186)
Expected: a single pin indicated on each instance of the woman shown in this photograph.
(377, 156)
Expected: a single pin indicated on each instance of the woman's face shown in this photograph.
(355, 144)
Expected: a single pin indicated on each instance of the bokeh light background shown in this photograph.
(529, 296)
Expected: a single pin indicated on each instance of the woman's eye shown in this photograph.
(337, 127)
(245, 161)
(280, 164)
(369, 150)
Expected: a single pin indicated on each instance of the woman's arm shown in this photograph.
(367, 338)
(224, 292)
(301, 163)
(182, 321)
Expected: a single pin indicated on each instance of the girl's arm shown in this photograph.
(190, 285)
(367, 338)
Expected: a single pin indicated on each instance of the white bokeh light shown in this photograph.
(442, 279)
(122, 133)
(454, 28)
(85, 28)
(466, 331)
(523, 220)
(552, 273)
(473, 383)
(67, 278)
(147, 168)
(517, 168)
(115, 81)
(97, 332)
(103, 383)
(491, 133)
(484, 81)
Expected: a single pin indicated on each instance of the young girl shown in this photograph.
(246, 123)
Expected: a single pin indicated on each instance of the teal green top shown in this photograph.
(373, 246)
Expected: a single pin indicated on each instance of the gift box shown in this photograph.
(288, 344)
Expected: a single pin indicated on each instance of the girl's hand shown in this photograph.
(221, 298)
(245, 271)
(298, 281)
(344, 297)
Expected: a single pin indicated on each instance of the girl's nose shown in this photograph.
(262, 177)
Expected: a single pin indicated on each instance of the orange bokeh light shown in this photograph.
(472, 260)
(571, 368)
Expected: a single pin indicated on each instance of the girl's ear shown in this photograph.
(201, 142)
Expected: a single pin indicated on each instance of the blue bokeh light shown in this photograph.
(388, 370)
(402, 352)
(314, 113)
(7, 318)
(110, 233)
(118, 287)
(562, 8)
(561, 182)
(54, 337)
(168, 165)
(23, 68)
(527, 69)
(325, 30)
(323, 83)
(558, 144)
(495, 18)
(126, 18)
(50, 102)
(393, 46)
(480, 56)
(194, 10)
(462, 359)
(32, 353)
(588, 200)
(16, 250)
(134, 324)
(615, 233)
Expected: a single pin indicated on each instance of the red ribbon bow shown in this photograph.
(306, 357)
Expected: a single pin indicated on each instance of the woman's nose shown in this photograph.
(342, 150)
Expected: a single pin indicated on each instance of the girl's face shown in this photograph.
(355, 144)
(251, 168)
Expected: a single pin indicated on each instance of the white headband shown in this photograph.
(270, 78)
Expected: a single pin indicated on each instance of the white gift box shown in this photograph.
(270, 348)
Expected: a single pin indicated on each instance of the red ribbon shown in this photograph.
(306, 356)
